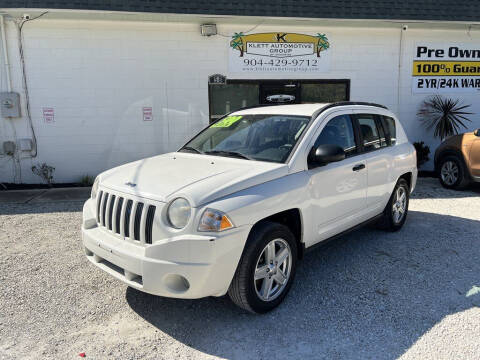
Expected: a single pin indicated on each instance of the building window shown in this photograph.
(231, 97)
(326, 92)
(237, 94)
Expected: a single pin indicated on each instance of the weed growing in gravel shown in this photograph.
(45, 172)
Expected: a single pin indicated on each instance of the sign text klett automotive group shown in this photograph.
(278, 51)
(446, 68)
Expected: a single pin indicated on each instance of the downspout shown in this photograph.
(400, 64)
(5, 53)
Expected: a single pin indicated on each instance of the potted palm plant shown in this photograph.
(446, 116)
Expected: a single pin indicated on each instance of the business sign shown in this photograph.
(279, 52)
(217, 79)
(147, 114)
(48, 115)
(446, 68)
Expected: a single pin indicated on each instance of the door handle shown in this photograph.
(358, 167)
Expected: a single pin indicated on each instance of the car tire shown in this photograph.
(452, 173)
(258, 260)
(396, 211)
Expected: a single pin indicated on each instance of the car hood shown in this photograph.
(199, 178)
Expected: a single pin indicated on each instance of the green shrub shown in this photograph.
(422, 153)
(45, 172)
(87, 180)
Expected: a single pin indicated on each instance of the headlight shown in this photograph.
(178, 213)
(214, 220)
(95, 188)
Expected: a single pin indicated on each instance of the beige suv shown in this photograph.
(457, 160)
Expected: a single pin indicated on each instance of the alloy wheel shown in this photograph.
(449, 173)
(399, 206)
(273, 269)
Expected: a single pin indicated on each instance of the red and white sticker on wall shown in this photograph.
(48, 115)
(147, 114)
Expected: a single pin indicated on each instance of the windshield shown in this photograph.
(253, 137)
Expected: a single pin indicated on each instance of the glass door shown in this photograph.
(231, 97)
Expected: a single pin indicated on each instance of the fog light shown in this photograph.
(176, 283)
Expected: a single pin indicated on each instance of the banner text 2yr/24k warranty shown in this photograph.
(446, 68)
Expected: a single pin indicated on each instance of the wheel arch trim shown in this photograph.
(293, 219)
(451, 152)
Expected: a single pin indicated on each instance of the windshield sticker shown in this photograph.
(227, 122)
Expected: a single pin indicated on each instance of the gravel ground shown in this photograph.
(370, 295)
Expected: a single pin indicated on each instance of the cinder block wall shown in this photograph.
(98, 75)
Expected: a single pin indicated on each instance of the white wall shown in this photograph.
(98, 75)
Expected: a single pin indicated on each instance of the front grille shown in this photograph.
(104, 208)
(123, 216)
(118, 214)
(128, 211)
(99, 203)
(149, 224)
(136, 224)
(110, 212)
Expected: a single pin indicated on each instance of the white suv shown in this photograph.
(235, 208)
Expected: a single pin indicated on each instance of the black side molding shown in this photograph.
(334, 237)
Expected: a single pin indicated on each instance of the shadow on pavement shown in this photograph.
(41, 208)
(430, 188)
(370, 294)
(41, 200)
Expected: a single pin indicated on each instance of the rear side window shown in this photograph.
(390, 130)
(369, 132)
(381, 133)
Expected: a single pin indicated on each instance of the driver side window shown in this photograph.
(339, 131)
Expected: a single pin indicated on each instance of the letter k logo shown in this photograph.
(281, 37)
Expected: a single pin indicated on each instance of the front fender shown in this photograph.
(248, 206)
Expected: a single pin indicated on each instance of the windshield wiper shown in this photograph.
(189, 148)
(228, 153)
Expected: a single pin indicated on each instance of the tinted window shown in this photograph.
(389, 126)
(369, 131)
(381, 133)
(339, 131)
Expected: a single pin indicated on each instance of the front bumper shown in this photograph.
(184, 266)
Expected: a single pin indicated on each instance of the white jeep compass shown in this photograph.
(234, 209)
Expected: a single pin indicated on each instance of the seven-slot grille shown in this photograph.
(128, 218)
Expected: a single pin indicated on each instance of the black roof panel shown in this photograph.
(447, 10)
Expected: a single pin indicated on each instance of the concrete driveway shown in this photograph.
(369, 295)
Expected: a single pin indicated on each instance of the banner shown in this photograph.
(446, 68)
(279, 52)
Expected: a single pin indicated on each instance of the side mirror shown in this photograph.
(476, 132)
(325, 154)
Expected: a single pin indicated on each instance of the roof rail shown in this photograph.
(316, 113)
(331, 105)
(345, 103)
